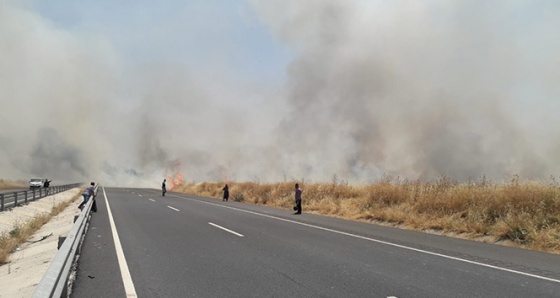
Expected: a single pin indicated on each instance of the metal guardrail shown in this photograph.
(57, 281)
(13, 199)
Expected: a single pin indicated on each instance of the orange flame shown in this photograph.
(176, 179)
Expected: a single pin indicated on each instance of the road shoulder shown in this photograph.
(29, 262)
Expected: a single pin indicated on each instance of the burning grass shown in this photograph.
(23, 230)
(519, 214)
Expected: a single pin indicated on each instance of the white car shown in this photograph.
(36, 182)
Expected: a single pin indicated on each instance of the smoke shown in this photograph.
(372, 88)
(419, 90)
(53, 84)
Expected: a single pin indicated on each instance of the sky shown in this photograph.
(129, 92)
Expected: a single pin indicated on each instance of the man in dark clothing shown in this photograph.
(46, 185)
(163, 188)
(298, 199)
(226, 193)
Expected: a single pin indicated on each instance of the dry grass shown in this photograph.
(23, 230)
(519, 214)
(5, 184)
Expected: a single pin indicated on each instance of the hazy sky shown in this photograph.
(118, 91)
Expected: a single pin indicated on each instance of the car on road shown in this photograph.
(36, 182)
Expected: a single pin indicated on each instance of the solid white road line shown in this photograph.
(125, 273)
(227, 230)
(173, 208)
(152, 200)
(379, 241)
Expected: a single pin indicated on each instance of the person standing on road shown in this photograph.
(163, 188)
(226, 193)
(88, 193)
(298, 199)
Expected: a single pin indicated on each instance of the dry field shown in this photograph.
(523, 214)
(6, 184)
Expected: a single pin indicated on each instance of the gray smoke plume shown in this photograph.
(52, 152)
(415, 90)
(419, 90)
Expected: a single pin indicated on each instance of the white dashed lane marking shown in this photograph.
(173, 208)
(227, 230)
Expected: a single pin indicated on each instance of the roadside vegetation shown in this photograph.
(11, 240)
(523, 214)
(6, 184)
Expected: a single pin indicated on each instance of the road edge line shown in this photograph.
(123, 266)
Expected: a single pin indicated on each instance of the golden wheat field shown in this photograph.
(524, 214)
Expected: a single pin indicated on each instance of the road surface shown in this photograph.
(187, 246)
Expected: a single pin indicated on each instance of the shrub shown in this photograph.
(238, 197)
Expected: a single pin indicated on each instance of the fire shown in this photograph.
(176, 178)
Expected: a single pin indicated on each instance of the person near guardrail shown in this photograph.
(163, 188)
(46, 185)
(88, 192)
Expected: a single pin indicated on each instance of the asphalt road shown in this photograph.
(186, 246)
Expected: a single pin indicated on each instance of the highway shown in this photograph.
(187, 246)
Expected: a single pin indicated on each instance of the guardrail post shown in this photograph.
(34, 194)
(25, 197)
(15, 199)
(2, 202)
